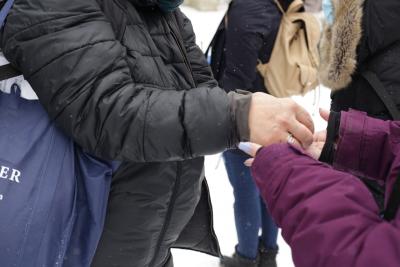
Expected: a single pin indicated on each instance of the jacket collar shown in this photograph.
(339, 44)
(144, 2)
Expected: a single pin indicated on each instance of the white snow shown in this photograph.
(205, 25)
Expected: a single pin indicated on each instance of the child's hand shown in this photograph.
(318, 144)
(250, 149)
(319, 138)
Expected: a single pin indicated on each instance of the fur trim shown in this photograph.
(339, 44)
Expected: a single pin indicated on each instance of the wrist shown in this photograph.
(240, 108)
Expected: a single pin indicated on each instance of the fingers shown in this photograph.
(315, 150)
(301, 133)
(295, 142)
(304, 117)
(320, 136)
(249, 162)
(324, 114)
(249, 148)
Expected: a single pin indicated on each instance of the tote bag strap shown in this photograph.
(8, 72)
(394, 200)
(6, 7)
(383, 95)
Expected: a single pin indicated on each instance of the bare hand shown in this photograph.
(319, 141)
(250, 149)
(316, 147)
(314, 150)
(272, 120)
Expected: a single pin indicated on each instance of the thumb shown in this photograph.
(324, 114)
(249, 162)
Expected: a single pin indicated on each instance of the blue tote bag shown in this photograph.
(53, 196)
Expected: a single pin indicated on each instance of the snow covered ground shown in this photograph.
(205, 24)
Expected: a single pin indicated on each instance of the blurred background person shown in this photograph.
(360, 55)
(246, 36)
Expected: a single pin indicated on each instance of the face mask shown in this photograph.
(327, 7)
(169, 5)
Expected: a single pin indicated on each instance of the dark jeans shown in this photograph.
(251, 214)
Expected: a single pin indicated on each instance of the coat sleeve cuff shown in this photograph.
(329, 149)
(351, 142)
(240, 108)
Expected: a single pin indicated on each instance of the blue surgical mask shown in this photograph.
(327, 7)
(169, 5)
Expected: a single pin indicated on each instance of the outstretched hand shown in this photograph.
(250, 149)
(314, 150)
(319, 138)
(278, 120)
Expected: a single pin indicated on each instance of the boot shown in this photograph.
(268, 257)
(238, 261)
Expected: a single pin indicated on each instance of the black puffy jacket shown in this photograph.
(364, 37)
(128, 82)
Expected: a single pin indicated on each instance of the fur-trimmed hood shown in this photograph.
(339, 44)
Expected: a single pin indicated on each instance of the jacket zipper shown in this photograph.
(181, 48)
(169, 213)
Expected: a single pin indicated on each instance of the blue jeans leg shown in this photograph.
(250, 211)
(269, 229)
(246, 206)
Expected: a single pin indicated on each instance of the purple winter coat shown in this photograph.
(327, 215)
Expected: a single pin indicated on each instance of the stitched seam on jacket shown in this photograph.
(123, 11)
(142, 54)
(363, 146)
(68, 52)
(79, 93)
(29, 28)
(187, 150)
(101, 138)
(145, 125)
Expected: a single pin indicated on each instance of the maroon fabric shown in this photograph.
(327, 215)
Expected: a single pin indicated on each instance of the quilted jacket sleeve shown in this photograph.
(366, 146)
(328, 217)
(68, 52)
(239, 101)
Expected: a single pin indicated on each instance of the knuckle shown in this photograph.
(275, 128)
(282, 121)
(309, 139)
(291, 104)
